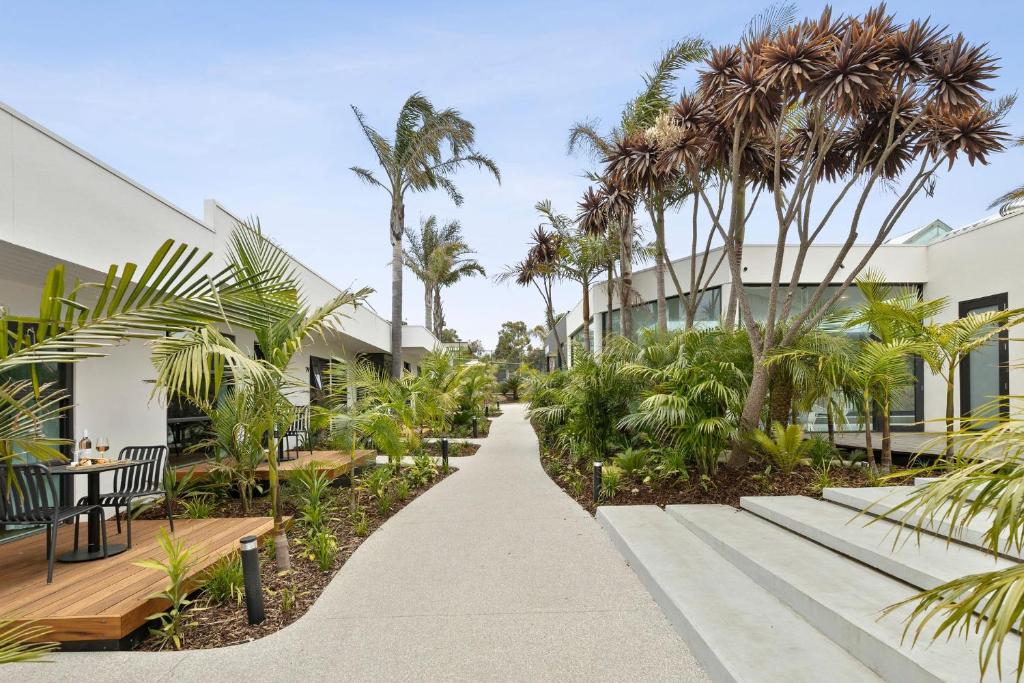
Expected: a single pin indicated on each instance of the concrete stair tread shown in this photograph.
(924, 560)
(738, 630)
(881, 501)
(840, 597)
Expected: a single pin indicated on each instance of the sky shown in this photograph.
(249, 103)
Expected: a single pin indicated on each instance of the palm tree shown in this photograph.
(637, 116)
(540, 270)
(186, 365)
(439, 257)
(428, 147)
(1015, 197)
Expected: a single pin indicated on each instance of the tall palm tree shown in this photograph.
(439, 257)
(540, 270)
(428, 147)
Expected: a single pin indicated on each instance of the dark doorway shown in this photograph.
(985, 372)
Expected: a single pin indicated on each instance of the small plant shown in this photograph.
(384, 504)
(177, 566)
(16, 642)
(225, 580)
(288, 597)
(821, 452)
(785, 448)
(634, 463)
(422, 471)
(199, 505)
(377, 482)
(322, 548)
(611, 478)
(576, 481)
(402, 490)
(823, 476)
(360, 522)
(673, 465)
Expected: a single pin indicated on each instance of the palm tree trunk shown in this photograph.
(586, 314)
(950, 415)
(626, 277)
(831, 422)
(886, 441)
(610, 302)
(750, 417)
(658, 220)
(281, 554)
(397, 225)
(867, 432)
(737, 217)
(438, 312)
(428, 307)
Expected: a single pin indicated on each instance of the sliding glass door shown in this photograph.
(985, 373)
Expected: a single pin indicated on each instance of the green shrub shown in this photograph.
(785, 448)
(225, 580)
(177, 568)
(673, 465)
(422, 471)
(635, 463)
(360, 522)
(402, 490)
(322, 548)
(611, 477)
(820, 451)
(199, 505)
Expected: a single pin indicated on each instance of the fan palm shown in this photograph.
(428, 147)
(439, 257)
(540, 270)
(452, 265)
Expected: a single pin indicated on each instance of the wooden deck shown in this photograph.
(335, 462)
(905, 443)
(106, 600)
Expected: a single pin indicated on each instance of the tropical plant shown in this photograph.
(192, 364)
(199, 505)
(225, 580)
(855, 101)
(422, 471)
(428, 147)
(288, 596)
(177, 568)
(237, 451)
(611, 478)
(439, 257)
(321, 547)
(634, 463)
(360, 523)
(539, 269)
(785, 448)
(20, 642)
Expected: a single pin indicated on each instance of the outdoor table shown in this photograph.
(94, 549)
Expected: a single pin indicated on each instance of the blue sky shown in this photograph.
(249, 103)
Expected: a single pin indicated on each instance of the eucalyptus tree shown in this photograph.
(439, 257)
(855, 102)
(428, 147)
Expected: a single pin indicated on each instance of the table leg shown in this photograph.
(94, 516)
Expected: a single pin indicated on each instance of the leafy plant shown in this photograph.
(199, 505)
(18, 642)
(321, 547)
(177, 567)
(310, 483)
(360, 522)
(634, 463)
(225, 580)
(288, 597)
(611, 478)
(422, 471)
(785, 449)
(821, 452)
(402, 489)
(673, 463)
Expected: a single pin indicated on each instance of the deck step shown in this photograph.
(840, 597)
(924, 561)
(881, 501)
(735, 628)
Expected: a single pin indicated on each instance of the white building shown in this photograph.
(58, 204)
(976, 267)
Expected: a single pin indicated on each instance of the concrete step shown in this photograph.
(881, 501)
(924, 561)
(736, 629)
(840, 597)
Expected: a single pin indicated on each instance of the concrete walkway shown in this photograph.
(494, 574)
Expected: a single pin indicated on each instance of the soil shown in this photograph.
(456, 449)
(210, 625)
(726, 487)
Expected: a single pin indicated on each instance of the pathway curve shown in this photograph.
(494, 574)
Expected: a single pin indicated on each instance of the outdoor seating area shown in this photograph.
(103, 602)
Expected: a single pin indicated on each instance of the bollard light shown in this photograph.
(597, 481)
(487, 411)
(444, 454)
(253, 586)
(474, 427)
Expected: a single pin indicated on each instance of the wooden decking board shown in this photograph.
(107, 599)
(335, 462)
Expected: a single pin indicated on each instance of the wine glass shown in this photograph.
(102, 446)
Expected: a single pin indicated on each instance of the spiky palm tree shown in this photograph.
(428, 147)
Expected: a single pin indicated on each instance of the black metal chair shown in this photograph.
(142, 481)
(31, 498)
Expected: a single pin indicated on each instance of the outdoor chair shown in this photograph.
(30, 497)
(142, 481)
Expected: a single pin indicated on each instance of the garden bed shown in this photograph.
(465, 431)
(726, 487)
(456, 449)
(287, 596)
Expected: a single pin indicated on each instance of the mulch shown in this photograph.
(217, 625)
(726, 487)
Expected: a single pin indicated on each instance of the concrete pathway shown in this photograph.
(494, 574)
